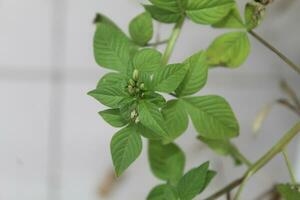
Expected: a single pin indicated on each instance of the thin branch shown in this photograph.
(228, 195)
(154, 44)
(290, 92)
(276, 51)
(287, 104)
(289, 166)
(240, 156)
(226, 189)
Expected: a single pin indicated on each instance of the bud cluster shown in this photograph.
(134, 86)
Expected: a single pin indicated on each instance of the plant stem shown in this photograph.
(171, 42)
(277, 148)
(240, 156)
(289, 166)
(276, 51)
(226, 189)
(259, 164)
(157, 43)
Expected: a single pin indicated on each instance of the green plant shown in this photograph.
(135, 92)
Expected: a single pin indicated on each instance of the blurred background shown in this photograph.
(53, 144)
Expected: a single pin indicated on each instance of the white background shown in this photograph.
(53, 144)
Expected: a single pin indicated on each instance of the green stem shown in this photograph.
(171, 43)
(226, 189)
(258, 165)
(289, 166)
(240, 156)
(276, 149)
(276, 51)
(157, 43)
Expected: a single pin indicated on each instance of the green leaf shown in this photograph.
(230, 50)
(155, 98)
(208, 11)
(196, 76)
(113, 117)
(254, 14)
(112, 79)
(162, 15)
(222, 147)
(169, 77)
(110, 96)
(163, 192)
(147, 60)
(147, 133)
(209, 176)
(127, 106)
(126, 146)
(151, 117)
(112, 48)
(288, 191)
(166, 161)
(176, 118)
(194, 182)
(212, 117)
(141, 29)
(232, 20)
(176, 6)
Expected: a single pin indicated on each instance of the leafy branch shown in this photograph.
(135, 92)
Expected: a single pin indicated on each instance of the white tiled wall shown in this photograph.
(53, 144)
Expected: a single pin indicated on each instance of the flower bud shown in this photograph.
(130, 89)
(142, 86)
(131, 82)
(133, 114)
(135, 75)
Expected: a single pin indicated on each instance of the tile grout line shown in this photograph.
(54, 146)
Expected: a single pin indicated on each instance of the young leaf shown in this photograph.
(112, 48)
(113, 117)
(111, 79)
(147, 60)
(110, 96)
(208, 11)
(163, 192)
(166, 161)
(254, 14)
(169, 77)
(126, 146)
(176, 118)
(196, 75)
(232, 20)
(230, 50)
(194, 182)
(150, 117)
(175, 6)
(162, 15)
(288, 191)
(141, 29)
(212, 117)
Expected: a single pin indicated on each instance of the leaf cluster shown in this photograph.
(135, 90)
